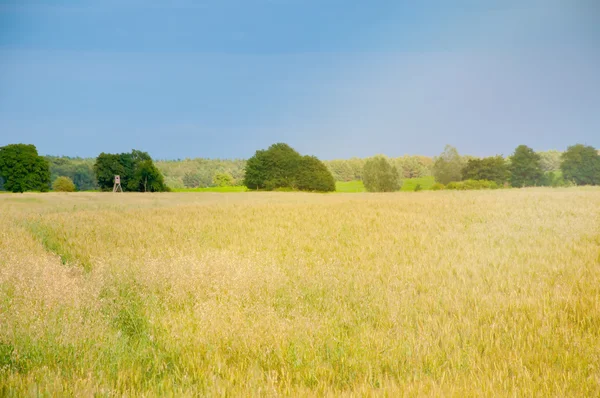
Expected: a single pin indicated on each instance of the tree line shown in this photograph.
(578, 165)
(281, 167)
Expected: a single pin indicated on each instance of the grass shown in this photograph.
(349, 186)
(485, 293)
(408, 184)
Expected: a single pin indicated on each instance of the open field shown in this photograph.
(445, 293)
(408, 185)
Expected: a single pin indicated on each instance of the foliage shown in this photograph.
(525, 167)
(380, 176)
(418, 188)
(137, 171)
(147, 178)
(22, 169)
(200, 172)
(313, 175)
(437, 187)
(408, 167)
(280, 166)
(550, 160)
(223, 180)
(63, 184)
(491, 168)
(448, 166)
(581, 164)
(472, 185)
(79, 170)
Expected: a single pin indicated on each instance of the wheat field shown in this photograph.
(481, 293)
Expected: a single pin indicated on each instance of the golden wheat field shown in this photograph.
(264, 294)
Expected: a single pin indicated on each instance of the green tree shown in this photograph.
(581, 164)
(63, 184)
(192, 179)
(223, 180)
(276, 167)
(525, 167)
(313, 175)
(550, 160)
(448, 166)
(492, 168)
(137, 171)
(380, 176)
(280, 166)
(22, 169)
(147, 178)
(107, 166)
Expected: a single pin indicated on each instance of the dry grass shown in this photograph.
(435, 293)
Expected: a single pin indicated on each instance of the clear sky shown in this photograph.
(333, 78)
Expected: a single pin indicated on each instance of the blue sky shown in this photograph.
(333, 78)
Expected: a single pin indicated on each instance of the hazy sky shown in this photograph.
(333, 78)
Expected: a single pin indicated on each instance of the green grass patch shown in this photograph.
(213, 189)
(410, 184)
(349, 186)
(58, 244)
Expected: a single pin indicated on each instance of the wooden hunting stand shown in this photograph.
(117, 186)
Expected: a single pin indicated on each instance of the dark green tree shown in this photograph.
(280, 166)
(146, 178)
(581, 164)
(448, 166)
(525, 167)
(137, 171)
(492, 168)
(22, 169)
(313, 175)
(380, 176)
(276, 167)
(107, 166)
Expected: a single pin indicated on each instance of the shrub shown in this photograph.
(223, 180)
(418, 188)
(437, 187)
(63, 184)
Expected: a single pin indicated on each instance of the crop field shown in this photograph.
(479, 293)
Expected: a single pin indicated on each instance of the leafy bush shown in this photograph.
(418, 188)
(437, 186)
(223, 180)
(63, 184)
